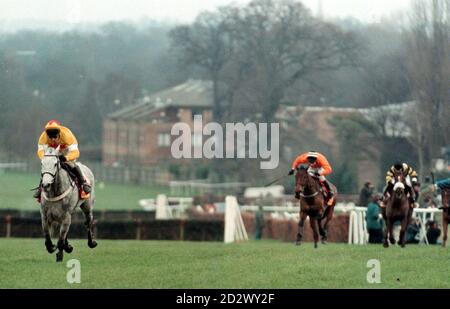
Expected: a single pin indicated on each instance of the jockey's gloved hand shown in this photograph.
(291, 172)
(62, 158)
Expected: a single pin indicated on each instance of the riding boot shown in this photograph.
(416, 195)
(84, 185)
(411, 196)
(386, 194)
(328, 187)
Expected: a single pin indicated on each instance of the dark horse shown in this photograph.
(312, 204)
(445, 193)
(397, 209)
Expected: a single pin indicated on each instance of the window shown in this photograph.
(163, 139)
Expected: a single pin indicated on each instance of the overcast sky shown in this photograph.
(74, 11)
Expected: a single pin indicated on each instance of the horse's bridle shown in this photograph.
(65, 193)
(55, 179)
(309, 195)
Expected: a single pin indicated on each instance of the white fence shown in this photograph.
(167, 207)
(357, 229)
(201, 187)
(175, 207)
(17, 166)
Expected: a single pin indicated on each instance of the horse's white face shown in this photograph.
(49, 168)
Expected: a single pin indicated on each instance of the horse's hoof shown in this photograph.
(392, 241)
(403, 245)
(59, 257)
(298, 243)
(51, 249)
(315, 246)
(92, 244)
(324, 242)
(68, 248)
(386, 245)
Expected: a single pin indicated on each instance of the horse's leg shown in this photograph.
(445, 215)
(328, 217)
(60, 253)
(321, 231)
(386, 233)
(313, 223)
(301, 224)
(67, 247)
(86, 207)
(402, 238)
(63, 230)
(391, 233)
(46, 229)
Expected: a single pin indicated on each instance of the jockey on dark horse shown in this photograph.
(319, 166)
(443, 184)
(411, 184)
(56, 135)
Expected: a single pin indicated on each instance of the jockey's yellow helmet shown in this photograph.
(52, 127)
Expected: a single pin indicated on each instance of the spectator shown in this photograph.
(433, 232)
(413, 232)
(365, 194)
(209, 208)
(428, 202)
(374, 221)
(259, 223)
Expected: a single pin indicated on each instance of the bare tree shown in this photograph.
(283, 44)
(206, 43)
(261, 50)
(428, 50)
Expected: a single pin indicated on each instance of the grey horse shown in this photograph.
(59, 199)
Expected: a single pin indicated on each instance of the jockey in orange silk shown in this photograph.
(318, 166)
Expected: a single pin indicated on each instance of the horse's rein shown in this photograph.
(57, 168)
(309, 195)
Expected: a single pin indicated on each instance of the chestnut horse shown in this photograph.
(312, 204)
(445, 194)
(397, 209)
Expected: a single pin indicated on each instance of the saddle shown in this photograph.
(325, 193)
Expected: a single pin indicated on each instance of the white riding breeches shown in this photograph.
(316, 171)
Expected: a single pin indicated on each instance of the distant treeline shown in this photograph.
(258, 56)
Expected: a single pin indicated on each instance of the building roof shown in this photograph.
(191, 94)
(393, 116)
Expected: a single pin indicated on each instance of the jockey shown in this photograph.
(443, 184)
(412, 182)
(56, 135)
(318, 165)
